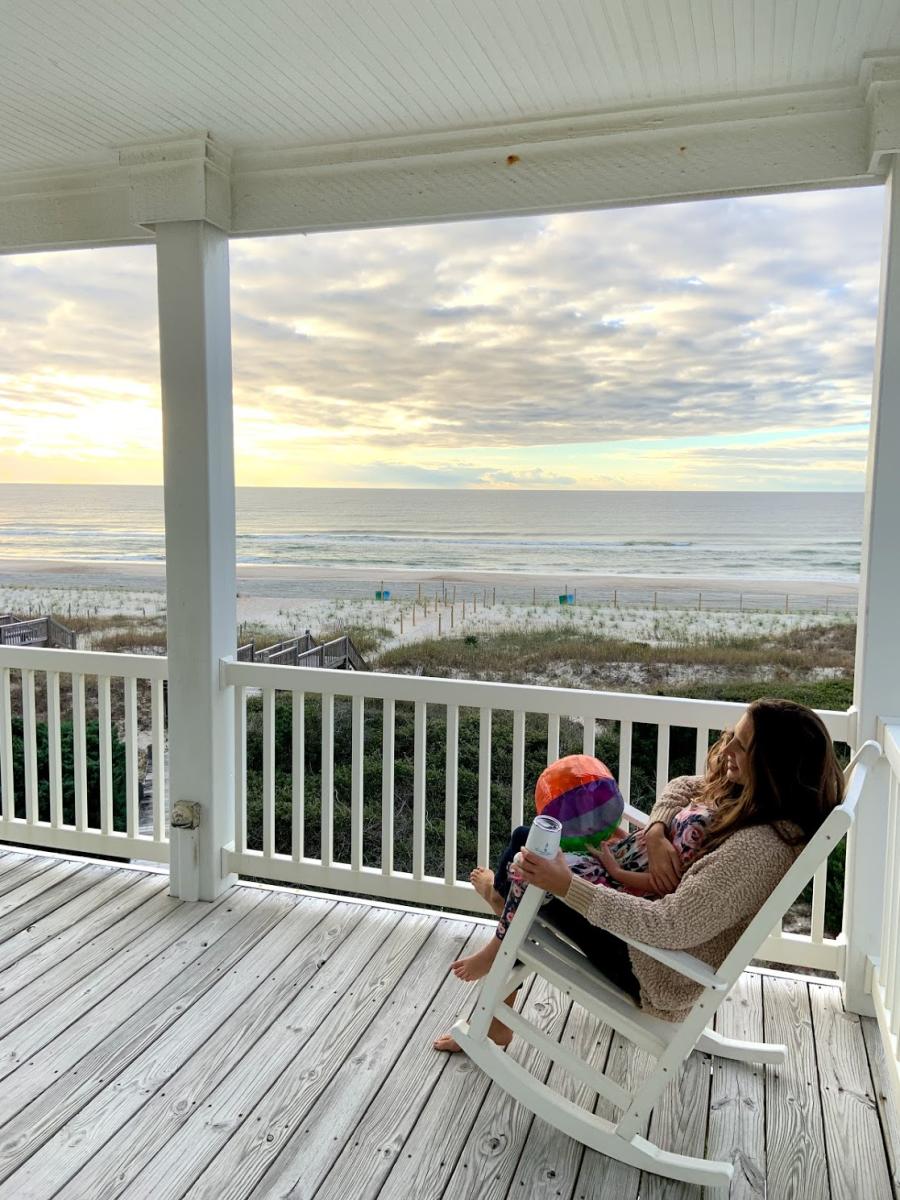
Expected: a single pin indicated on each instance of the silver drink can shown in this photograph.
(543, 836)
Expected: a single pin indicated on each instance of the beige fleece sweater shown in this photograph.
(715, 901)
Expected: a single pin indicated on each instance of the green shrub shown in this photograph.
(92, 755)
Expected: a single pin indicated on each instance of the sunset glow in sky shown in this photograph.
(715, 345)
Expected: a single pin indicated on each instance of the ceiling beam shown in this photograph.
(768, 142)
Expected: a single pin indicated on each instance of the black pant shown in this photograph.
(603, 950)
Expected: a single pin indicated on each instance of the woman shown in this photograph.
(781, 779)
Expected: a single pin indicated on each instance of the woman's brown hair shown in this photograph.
(792, 776)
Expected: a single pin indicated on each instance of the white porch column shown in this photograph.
(877, 681)
(198, 450)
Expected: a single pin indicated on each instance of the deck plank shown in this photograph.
(550, 1164)
(307, 1157)
(849, 1111)
(280, 1080)
(678, 1123)
(314, 975)
(601, 1175)
(18, 868)
(794, 1133)
(379, 1138)
(38, 894)
(47, 973)
(46, 1095)
(737, 1102)
(429, 1155)
(27, 1030)
(142, 1038)
(888, 1116)
(232, 1014)
(486, 1167)
(294, 1117)
(70, 926)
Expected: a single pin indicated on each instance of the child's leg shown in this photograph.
(493, 886)
(476, 966)
(517, 840)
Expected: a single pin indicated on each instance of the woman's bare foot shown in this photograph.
(476, 966)
(483, 882)
(448, 1044)
(500, 1034)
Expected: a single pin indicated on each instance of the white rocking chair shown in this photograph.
(539, 948)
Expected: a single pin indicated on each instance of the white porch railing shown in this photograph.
(109, 686)
(885, 981)
(446, 698)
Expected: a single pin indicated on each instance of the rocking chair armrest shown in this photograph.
(685, 964)
(634, 816)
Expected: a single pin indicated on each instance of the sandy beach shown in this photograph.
(150, 576)
(288, 600)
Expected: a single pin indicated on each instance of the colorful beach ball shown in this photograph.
(582, 794)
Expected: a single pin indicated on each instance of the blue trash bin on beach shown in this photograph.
(567, 598)
(386, 595)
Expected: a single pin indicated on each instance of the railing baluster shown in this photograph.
(104, 716)
(54, 749)
(298, 774)
(357, 752)
(268, 772)
(240, 770)
(517, 814)
(624, 779)
(79, 751)
(817, 918)
(327, 805)
(29, 730)
(451, 781)
(132, 814)
(587, 736)
(6, 747)
(419, 752)
(552, 738)
(702, 749)
(484, 787)
(662, 758)
(387, 786)
(158, 727)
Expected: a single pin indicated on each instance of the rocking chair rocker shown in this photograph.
(532, 945)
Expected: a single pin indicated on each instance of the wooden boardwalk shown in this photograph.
(275, 1045)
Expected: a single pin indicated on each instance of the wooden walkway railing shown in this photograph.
(339, 654)
(40, 631)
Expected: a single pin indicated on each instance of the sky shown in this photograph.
(722, 344)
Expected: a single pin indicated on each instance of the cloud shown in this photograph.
(736, 316)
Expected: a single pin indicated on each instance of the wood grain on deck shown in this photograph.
(273, 1045)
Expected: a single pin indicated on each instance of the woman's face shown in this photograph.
(738, 749)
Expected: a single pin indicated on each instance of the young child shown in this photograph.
(619, 863)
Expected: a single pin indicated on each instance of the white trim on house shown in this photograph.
(688, 150)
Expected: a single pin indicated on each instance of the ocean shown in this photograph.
(717, 535)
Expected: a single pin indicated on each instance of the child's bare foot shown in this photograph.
(476, 966)
(483, 882)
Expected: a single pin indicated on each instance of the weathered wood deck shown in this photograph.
(273, 1045)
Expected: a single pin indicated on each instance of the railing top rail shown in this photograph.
(674, 710)
(31, 623)
(85, 662)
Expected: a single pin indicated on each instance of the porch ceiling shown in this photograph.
(267, 117)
